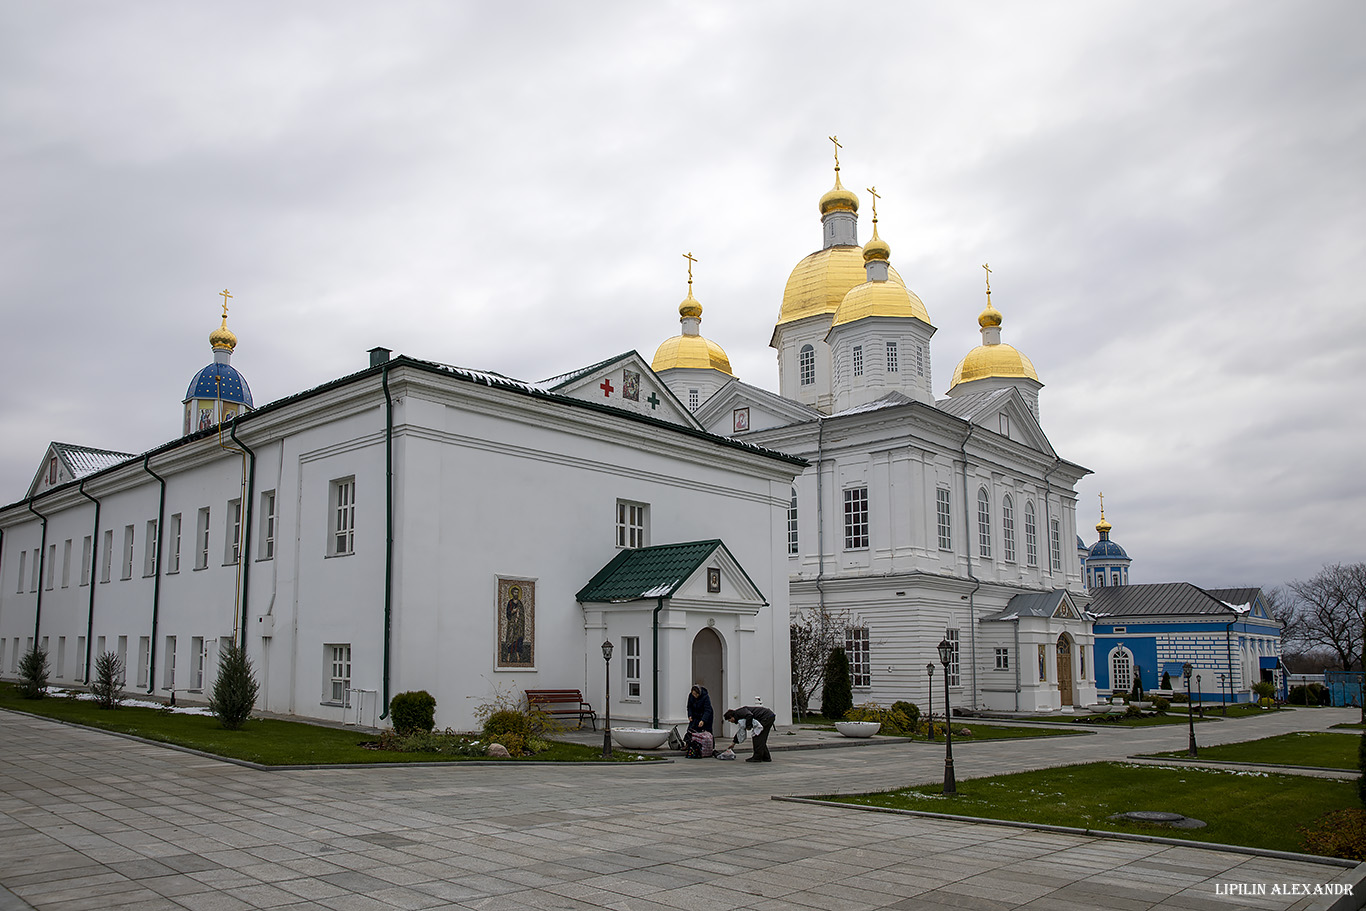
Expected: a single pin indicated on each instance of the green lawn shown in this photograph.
(1238, 710)
(1318, 749)
(1354, 727)
(1240, 807)
(1091, 721)
(979, 732)
(264, 741)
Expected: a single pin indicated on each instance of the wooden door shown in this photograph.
(1065, 668)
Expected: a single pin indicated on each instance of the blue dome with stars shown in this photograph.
(220, 381)
(1105, 549)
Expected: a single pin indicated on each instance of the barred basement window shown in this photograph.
(856, 649)
(983, 523)
(1008, 528)
(1031, 536)
(807, 364)
(945, 519)
(892, 366)
(856, 518)
(858, 360)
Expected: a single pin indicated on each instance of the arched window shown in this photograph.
(983, 523)
(1121, 670)
(1008, 528)
(1031, 536)
(792, 524)
(806, 362)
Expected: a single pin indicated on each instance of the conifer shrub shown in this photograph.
(911, 711)
(1166, 680)
(413, 712)
(33, 671)
(1161, 705)
(894, 721)
(837, 695)
(235, 690)
(107, 686)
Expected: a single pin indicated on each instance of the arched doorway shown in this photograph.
(707, 666)
(1065, 668)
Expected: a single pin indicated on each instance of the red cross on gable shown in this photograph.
(606, 387)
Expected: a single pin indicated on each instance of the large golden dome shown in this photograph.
(838, 199)
(690, 351)
(879, 299)
(820, 281)
(993, 360)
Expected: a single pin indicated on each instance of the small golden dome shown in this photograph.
(876, 248)
(222, 337)
(993, 360)
(880, 299)
(690, 351)
(1103, 526)
(820, 281)
(690, 307)
(989, 317)
(838, 199)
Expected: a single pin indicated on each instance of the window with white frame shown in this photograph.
(632, 524)
(127, 552)
(37, 566)
(201, 540)
(267, 525)
(149, 559)
(86, 569)
(694, 399)
(232, 539)
(1003, 659)
(108, 555)
(23, 561)
(173, 564)
(919, 360)
(630, 668)
(945, 518)
(1008, 528)
(168, 670)
(806, 362)
(954, 677)
(51, 566)
(856, 649)
(61, 656)
(66, 563)
(144, 659)
(892, 363)
(1121, 670)
(342, 539)
(1031, 536)
(80, 657)
(338, 660)
(197, 656)
(983, 523)
(858, 360)
(855, 518)
(1055, 540)
(792, 524)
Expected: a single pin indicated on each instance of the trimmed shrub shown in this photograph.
(234, 692)
(1161, 705)
(1298, 695)
(33, 671)
(911, 711)
(1166, 680)
(1340, 834)
(413, 712)
(1179, 697)
(837, 695)
(894, 721)
(107, 687)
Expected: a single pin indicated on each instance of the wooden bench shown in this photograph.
(562, 702)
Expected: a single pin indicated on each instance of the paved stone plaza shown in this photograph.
(94, 821)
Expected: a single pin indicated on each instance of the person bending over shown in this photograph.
(756, 721)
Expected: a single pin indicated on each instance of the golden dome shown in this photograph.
(1103, 526)
(838, 199)
(880, 299)
(690, 307)
(993, 360)
(222, 337)
(690, 351)
(819, 282)
(877, 248)
(989, 317)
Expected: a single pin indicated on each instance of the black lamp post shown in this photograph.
(929, 723)
(1223, 706)
(1200, 694)
(1190, 710)
(950, 786)
(607, 725)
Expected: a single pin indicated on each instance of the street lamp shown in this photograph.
(1200, 692)
(950, 786)
(1223, 706)
(607, 725)
(929, 722)
(1190, 712)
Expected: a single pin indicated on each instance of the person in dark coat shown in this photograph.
(699, 709)
(756, 720)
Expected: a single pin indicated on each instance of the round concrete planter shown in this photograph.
(639, 738)
(858, 728)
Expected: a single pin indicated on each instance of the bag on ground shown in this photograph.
(700, 744)
(727, 753)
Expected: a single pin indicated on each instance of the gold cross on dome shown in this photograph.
(836, 141)
(872, 191)
(225, 295)
(691, 259)
(1102, 504)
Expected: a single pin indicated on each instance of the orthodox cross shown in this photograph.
(606, 387)
(988, 268)
(225, 295)
(691, 259)
(1102, 504)
(872, 191)
(837, 151)
(654, 400)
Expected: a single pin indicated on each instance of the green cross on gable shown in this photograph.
(653, 400)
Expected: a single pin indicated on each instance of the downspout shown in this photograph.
(654, 623)
(820, 514)
(42, 560)
(94, 561)
(977, 583)
(1017, 664)
(244, 557)
(388, 528)
(156, 579)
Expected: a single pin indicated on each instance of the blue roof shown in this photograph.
(1107, 550)
(220, 381)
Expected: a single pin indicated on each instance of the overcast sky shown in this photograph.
(1171, 196)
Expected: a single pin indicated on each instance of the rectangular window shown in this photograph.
(945, 519)
(631, 524)
(792, 524)
(86, 543)
(127, 552)
(149, 559)
(61, 656)
(338, 659)
(919, 360)
(858, 360)
(174, 561)
(694, 399)
(232, 549)
(1031, 537)
(630, 648)
(108, 555)
(201, 540)
(856, 518)
(37, 565)
(144, 659)
(1008, 529)
(1003, 659)
(100, 645)
(268, 525)
(1004, 424)
(168, 670)
(856, 649)
(66, 563)
(14, 656)
(343, 499)
(892, 365)
(197, 655)
(23, 562)
(4, 643)
(1055, 540)
(122, 654)
(983, 525)
(51, 574)
(80, 657)
(807, 365)
(954, 676)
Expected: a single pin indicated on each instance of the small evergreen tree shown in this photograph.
(107, 687)
(1136, 693)
(413, 712)
(1166, 680)
(837, 695)
(235, 690)
(33, 670)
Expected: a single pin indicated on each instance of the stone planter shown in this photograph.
(639, 738)
(858, 728)
(1141, 706)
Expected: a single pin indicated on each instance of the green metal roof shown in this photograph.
(650, 572)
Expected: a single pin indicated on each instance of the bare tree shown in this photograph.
(1328, 611)
(814, 634)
